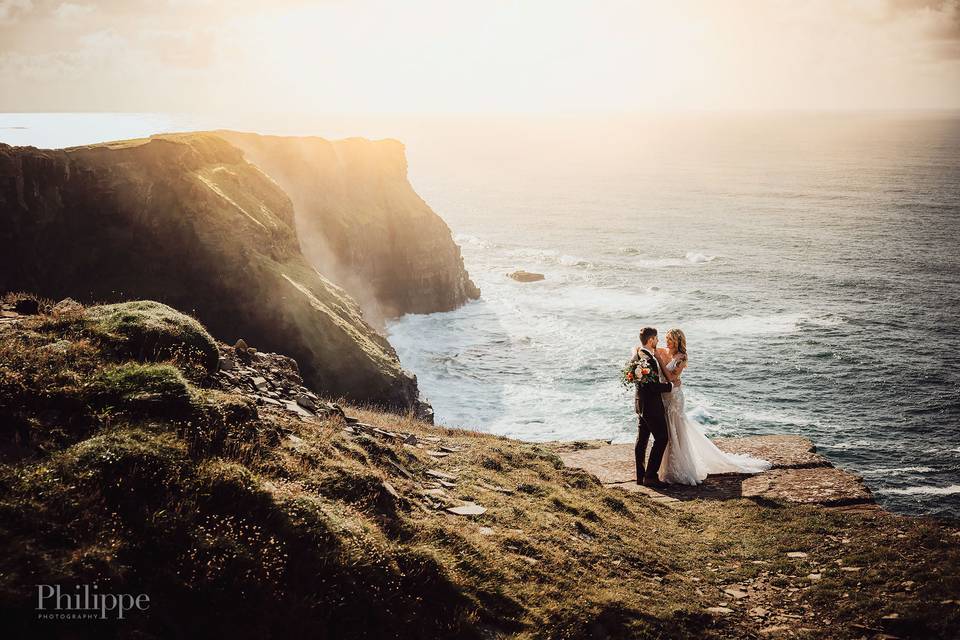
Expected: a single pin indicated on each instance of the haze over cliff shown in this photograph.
(361, 223)
(184, 219)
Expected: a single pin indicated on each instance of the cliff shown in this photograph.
(361, 223)
(185, 220)
(133, 460)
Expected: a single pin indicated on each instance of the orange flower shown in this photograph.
(645, 371)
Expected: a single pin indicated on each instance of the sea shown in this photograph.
(811, 259)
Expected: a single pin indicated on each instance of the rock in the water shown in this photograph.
(526, 276)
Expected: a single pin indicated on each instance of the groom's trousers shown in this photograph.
(656, 425)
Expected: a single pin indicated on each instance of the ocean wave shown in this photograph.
(776, 324)
(748, 324)
(699, 258)
(466, 238)
(899, 471)
(573, 261)
(701, 416)
(914, 491)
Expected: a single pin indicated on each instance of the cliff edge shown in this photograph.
(361, 223)
(185, 220)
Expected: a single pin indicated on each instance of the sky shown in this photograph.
(477, 57)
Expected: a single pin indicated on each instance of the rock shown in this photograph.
(67, 306)
(779, 628)
(796, 554)
(357, 212)
(293, 407)
(306, 402)
(27, 307)
(735, 593)
(805, 477)
(423, 411)
(410, 440)
(526, 276)
(240, 345)
(486, 531)
(390, 489)
(720, 610)
(436, 473)
(227, 363)
(467, 509)
(259, 383)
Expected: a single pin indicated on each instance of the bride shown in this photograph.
(690, 455)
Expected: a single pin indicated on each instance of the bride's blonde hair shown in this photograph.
(681, 340)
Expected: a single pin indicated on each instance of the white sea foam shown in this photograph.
(899, 471)
(467, 239)
(914, 491)
(699, 258)
(781, 323)
(573, 261)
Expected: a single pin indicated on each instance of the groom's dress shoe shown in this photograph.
(654, 483)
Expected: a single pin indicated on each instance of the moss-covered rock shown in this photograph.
(150, 331)
(155, 389)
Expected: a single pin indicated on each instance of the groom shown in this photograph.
(649, 408)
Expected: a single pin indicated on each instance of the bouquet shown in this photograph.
(638, 371)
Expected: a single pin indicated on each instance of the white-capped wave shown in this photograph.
(702, 416)
(699, 258)
(748, 324)
(573, 261)
(913, 491)
(899, 471)
(775, 324)
(466, 238)
(691, 258)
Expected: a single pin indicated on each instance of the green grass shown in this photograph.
(250, 523)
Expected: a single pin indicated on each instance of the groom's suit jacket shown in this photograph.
(647, 400)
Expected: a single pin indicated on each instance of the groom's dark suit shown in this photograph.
(650, 418)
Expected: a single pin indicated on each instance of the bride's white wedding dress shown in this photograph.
(690, 455)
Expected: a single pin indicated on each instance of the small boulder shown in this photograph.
(27, 307)
(306, 402)
(526, 276)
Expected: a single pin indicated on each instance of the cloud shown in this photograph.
(940, 20)
(72, 11)
(11, 11)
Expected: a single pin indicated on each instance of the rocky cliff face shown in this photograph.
(185, 220)
(362, 224)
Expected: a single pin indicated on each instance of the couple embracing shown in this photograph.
(681, 454)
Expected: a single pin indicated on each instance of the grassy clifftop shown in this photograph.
(123, 464)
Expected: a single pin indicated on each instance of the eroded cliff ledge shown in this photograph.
(361, 223)
(185, 220)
